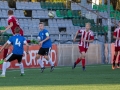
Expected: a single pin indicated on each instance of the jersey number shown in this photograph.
(17, 42)
(17, 22)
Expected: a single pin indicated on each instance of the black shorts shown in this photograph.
(12, 57)
(44, 51)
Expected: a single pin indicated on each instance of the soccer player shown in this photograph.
(12, 24)
(116, 35)
(46, 45)
(86, 38)
(18, 42)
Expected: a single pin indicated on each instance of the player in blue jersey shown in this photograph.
(46, 45)
(18, 42)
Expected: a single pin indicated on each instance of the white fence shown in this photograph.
(68, 53)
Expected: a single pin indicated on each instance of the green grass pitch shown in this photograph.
(96, 77)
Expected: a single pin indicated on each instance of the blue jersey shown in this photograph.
(43, 35)
(18, 42)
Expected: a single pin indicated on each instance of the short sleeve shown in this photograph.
(79, 31)
(24, 40)
(10, 41)
(38, 38)
(10, 20)
(46, 33)
(115, 33)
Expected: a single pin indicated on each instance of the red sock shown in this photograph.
(83, 62)
(114, 59)
(77, 61)
(5, 53)
(119, 59)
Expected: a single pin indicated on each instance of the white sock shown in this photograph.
(7, 64)
(50, 61)
(41, 63)
(4, 67)
(21, 67)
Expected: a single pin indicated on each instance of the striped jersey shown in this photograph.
(117, 34)
(86, 35)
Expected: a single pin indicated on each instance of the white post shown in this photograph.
(109, 32)
(103, 2)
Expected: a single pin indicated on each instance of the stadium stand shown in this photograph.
(69, 19)
(4, 5)
(28, 5)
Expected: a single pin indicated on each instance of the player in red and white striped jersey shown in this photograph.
(86, 38)
(12, 24)
(116, 35)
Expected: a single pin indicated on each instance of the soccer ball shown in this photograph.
(51, 14)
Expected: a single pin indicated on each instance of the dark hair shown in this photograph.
(119, 22)
(41, 23)
(10, 12)
(17, 30)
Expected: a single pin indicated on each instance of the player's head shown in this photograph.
(17, 30)
(41, 25)
(10, 12)
(87, 26)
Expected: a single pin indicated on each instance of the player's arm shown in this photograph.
(115, 35)
(27, 48)
(6, 44)
(8, 27)
(39, 39)
(3, 46)
(27, 45)
(91, 38)
(76, 35)
(47, 37)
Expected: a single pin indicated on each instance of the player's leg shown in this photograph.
(5, 52)
(19, 58)
(79, 59)
(8, 59)
(50, 61)
(39, 57)
(114, 58)
(76, 62)
(48, 58)
(41, 61)
(83, 59)
(118, 64)
(83, 55)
